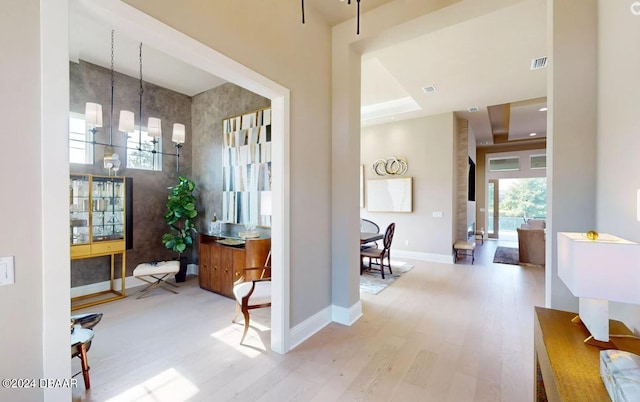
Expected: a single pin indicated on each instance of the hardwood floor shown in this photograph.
(442, 332)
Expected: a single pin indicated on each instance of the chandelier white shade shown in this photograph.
(599, 271)
(178, 133)
(127, 121)
(93, 114)
(154, 127)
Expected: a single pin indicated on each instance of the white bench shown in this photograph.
(155, 274)
(463, 246)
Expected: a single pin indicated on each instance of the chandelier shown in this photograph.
(349, 3)
(93, 117)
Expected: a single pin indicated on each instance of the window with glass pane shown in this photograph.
(138, 152)
(80, 146)
(504, 164)
(538, 161)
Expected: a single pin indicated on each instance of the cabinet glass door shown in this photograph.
(108, 208)
(79, 207)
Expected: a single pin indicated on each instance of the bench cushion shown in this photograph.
(160, 267)
(464, 245)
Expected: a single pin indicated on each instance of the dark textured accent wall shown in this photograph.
(91, 83)
(208, 110)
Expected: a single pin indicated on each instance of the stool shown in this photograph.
(466, 247)
(481, 234)
(157, 272)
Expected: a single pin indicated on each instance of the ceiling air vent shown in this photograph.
(430, 89)
(473, 109)
(540, 62)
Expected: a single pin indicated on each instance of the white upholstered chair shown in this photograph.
(252, 293)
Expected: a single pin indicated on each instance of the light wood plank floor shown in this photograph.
(442, 332)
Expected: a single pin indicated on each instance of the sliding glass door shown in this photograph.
(492, 209)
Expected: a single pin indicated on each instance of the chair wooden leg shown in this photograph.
(85, 366)
(245, 313)
(235, 315)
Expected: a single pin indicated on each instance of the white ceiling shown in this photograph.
(483, 62)
(90, 40)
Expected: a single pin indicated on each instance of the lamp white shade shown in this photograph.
(93, 114)
(607, 268)
(178, 133)
(599, 271)
(154, 127)
(127, 123)
(265, 203)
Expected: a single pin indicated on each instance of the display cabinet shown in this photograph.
(100, 216)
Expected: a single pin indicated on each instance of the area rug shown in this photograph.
(372, 282)
(506, 255)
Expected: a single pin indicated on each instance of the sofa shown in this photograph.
(531, 246)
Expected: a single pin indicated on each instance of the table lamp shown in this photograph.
(598, 269)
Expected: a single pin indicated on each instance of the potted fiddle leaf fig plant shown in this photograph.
(181, 211)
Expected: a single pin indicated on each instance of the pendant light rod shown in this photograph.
(112, 85)
(349, 3)
(140, 91)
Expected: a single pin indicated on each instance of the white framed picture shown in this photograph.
(390, 195)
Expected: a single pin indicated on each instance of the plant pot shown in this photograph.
(181, 276)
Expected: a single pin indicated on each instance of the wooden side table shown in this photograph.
(567, 369)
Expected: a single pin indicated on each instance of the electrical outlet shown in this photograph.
(406, 242)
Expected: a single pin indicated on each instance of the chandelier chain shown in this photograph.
(112, 85)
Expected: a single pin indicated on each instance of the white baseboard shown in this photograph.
(414, 255)
(130, 282)
(309, 327)
(347, 316)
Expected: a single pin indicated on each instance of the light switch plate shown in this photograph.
(6, 271)
(437, 214)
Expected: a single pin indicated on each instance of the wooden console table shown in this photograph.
(565, 368)
(220, 266)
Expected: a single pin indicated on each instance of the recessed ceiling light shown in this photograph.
(430, 89)
(473, 109)
(393, 118)
(543, 109)
(532, 134)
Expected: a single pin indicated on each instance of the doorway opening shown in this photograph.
(511, 202)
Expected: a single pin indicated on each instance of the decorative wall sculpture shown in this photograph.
(390, 167)
(246, 167)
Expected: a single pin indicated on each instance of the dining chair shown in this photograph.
(252, 293)
(380, 253)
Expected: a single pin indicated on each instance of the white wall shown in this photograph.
(571, 134)
(618, 130)
(35, 198)
(21, 354)
(428, 145)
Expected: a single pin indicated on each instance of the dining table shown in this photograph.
(367, 237)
